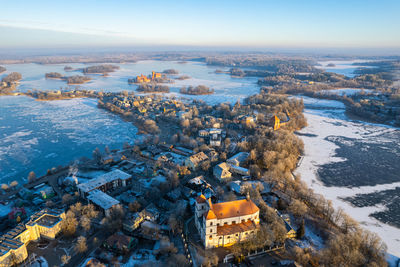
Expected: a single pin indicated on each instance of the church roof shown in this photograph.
(234, 208)
(210, 215)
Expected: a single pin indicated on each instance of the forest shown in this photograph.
(77, 79)
(100, 69)
(54, 75)
(153, 88)
(12, 77)
(198, 90)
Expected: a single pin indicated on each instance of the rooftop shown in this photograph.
(234, 208)
(236, 228)
(199, 157)
(240, 157)
(102, 199)
(48, 220)
(103, 179)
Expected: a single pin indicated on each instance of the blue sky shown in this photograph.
(258, 24)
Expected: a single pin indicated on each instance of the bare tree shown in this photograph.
(69, 224)
(65, 259)
(80, 245)
(85, 223)
(31, 177)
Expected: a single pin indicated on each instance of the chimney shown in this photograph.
(248, 196)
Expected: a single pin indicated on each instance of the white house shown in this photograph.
(221, 171)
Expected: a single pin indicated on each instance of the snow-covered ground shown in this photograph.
(326, 118)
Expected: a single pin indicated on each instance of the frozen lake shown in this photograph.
(38, 135)
(354, 164)
(344, 67)
(226, 88)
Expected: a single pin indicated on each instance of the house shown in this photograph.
(193, 162)
(239, 170)
(43, 224)
(238, 159)
(215, 136)
(133, 223)
(290, 232)
(212, 155)
(198, 183)
(203, 133)
(226, 223)
(240, 187)
(120, 243)
(102, 200)
(221, 171)
(150, 213)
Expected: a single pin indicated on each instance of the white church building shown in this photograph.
(224, 224)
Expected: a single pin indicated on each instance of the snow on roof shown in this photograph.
(197, 158)
(102, 199)
(238, 169)
(199, 180)
(103, 179)
(239, 157)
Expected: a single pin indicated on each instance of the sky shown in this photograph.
(251, 24)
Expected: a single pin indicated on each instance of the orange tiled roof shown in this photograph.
(234, 208)
(236, 228)
(210, 215)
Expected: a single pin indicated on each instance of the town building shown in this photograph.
(43, 224)
(102, 200)
(238, 159)
(226, 223)
(214, 136)
(239, 170)
(120, 243)
(221, 171)
(109, 181)
(193, 162)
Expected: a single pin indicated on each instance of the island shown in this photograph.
(331, 65)
(100, 69)
(171, 71)
(183, 77)
(2, 69)
(153, 88)
(155, 77)
(13, 77)
(71, 80)
(68, 68)
(54, 75)
(198, 90)
(76, 79)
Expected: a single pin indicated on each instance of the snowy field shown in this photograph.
(327, 119)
